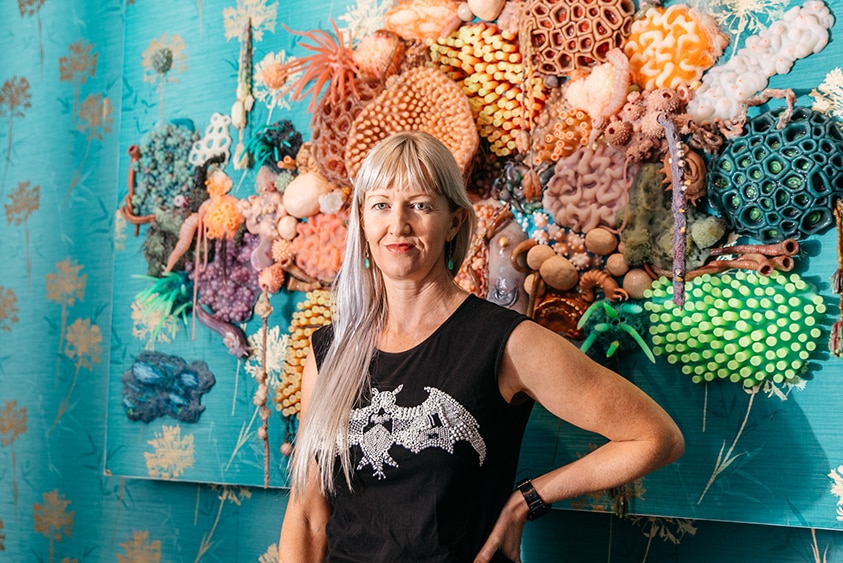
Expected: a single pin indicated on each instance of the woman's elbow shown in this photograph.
(672, 444)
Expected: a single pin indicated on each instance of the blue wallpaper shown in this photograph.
(80, 87)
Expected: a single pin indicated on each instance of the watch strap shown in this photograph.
(535, 505)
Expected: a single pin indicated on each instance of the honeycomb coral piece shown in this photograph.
(330, 126)
(312, 313)
(486, 63)
(421, 99)
(560, 36)
(774, 184)
(742, 327)
(673, 46)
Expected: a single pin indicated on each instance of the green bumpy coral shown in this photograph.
(648, 236)
(741, 327)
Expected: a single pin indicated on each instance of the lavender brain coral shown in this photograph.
(741, 327)
(588, 189)
(774, 183)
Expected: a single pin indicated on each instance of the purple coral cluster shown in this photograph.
(228, 285)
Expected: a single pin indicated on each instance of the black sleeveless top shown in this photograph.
(435, 448)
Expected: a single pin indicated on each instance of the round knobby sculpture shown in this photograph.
(773, 184)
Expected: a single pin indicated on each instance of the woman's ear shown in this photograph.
(459, 217)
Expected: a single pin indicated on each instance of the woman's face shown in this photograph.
(407, 231)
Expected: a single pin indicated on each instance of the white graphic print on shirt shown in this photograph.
(440, 421)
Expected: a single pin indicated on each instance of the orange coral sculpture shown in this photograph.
(313, 312)
(673, 46)
(223, 217)
(320, 245)
(332, 63)
(420, 99)
(559, 36)
(422, 20)
(559, 129)
(484, 60)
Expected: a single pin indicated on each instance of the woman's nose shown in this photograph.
(399, 223)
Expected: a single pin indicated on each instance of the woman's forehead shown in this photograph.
(402, 190)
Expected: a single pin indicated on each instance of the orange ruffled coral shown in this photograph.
(673, 46)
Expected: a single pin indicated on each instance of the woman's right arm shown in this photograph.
(303, 529)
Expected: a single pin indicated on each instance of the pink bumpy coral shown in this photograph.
(588, 189)
(320, 245)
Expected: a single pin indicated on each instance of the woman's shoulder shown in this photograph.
(482, 310)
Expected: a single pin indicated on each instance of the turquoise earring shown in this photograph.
(450, 256)
(366, 263)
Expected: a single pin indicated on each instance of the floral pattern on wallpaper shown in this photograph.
(164, 60)
(54, 521)
(172, 453)
(15, 100)
(24, 201)
(12, 426)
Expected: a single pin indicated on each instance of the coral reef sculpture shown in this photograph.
(776, 184)
(486, 63)
(159, 384)
(588, 189)
(560, 36)
(162, 171)
(312, 313)
(741, 327)
(615, 329)
(673, 46)
(727, 87)
(419, 99)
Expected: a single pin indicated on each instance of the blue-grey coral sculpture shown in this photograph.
(159, 384)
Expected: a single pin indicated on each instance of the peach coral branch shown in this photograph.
(331, 63)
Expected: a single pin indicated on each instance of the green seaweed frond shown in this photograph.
(170, 295)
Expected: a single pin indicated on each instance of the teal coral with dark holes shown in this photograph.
(773, 184)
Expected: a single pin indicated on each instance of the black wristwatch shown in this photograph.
(537, 507)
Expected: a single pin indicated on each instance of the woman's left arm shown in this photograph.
(641, 435)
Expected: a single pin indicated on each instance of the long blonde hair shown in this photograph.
(406, 159)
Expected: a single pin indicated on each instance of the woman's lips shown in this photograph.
(399, 248)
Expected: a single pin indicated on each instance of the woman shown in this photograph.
(415, 400)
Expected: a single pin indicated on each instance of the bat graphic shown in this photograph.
(439, 422)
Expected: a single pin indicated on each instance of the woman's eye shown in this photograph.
(421, 206)
(380, 206)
